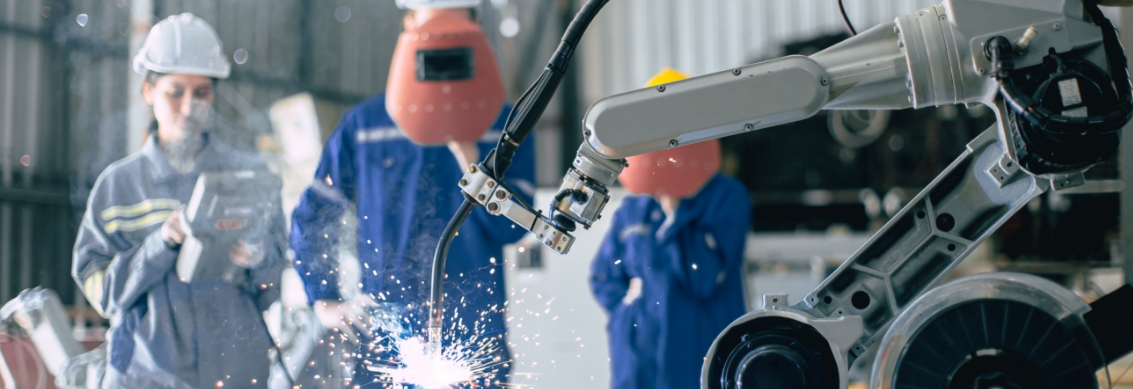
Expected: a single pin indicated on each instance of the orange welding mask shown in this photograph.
(680, 171)
(444, 82)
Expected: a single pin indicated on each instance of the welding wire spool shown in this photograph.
(994, 330)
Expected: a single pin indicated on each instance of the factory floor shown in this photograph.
(1121, 373)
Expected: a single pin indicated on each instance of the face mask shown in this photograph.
(182, 155)
(444, 83)
(200, 112)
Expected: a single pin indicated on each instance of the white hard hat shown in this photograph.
(426, 4)
(183, 44)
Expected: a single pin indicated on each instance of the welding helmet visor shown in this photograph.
(444, 82)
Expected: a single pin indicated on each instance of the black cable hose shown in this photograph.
(515, 132)
(275, 345)
(278, 354)
(846, 19)
(518, 199)
(575, 195)
(1115, 52)
(998, 51)
(540, 93)
(522, 98)
(437, 293)
(500, 158)
(497, 161)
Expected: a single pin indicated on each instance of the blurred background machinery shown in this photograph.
(69, 103)
(69, 107)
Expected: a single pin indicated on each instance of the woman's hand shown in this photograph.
(245, 255)
(172, 231)
(332, 314)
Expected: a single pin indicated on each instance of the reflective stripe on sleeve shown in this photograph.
(137, 224)
(92, 289)
(142, 208)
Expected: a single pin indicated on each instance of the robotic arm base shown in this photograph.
(779, 346)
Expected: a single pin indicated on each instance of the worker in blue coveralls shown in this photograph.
(166, 333)
(668, 272)
(397, 159)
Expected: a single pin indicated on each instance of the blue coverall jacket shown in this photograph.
(404, 195)
(690, 268)
(166, 333)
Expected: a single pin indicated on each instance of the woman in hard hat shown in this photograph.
(166, 333)
(669, 270)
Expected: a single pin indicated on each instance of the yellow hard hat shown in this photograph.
(677, 171)
(666, 76)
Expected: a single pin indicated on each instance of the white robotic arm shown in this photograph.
(1039, 64)
(752, 97)
(930, 58)
(933, 57)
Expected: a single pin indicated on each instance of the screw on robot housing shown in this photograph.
(520, 122)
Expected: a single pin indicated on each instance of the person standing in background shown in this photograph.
(668, 272)
(397, 159)
(166, 333)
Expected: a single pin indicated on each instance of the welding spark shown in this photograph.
(428, 370)
(469, 355)
(421, 366)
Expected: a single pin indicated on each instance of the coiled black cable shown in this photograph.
(846, 19)
(999, 51)
(576, 196)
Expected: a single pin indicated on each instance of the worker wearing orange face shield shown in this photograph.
(669, 270)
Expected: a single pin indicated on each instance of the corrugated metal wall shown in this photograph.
(633, 39)
(34, 206)
(338, 49)
(64, 95)
(64, 68)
